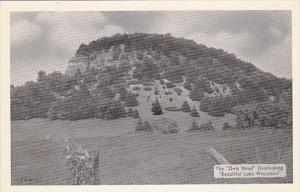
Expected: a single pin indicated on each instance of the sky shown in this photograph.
(47, 40)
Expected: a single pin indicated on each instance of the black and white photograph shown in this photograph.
(151, 97)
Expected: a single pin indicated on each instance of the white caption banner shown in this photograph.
(249, 170)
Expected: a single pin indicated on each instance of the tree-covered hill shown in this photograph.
(179, 56)
(98, 81)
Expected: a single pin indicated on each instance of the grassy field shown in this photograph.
(128, 157)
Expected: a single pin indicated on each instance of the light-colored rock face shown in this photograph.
(117, 56)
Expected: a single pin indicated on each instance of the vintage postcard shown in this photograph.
(164, 96)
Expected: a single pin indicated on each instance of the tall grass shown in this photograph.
(82, 167)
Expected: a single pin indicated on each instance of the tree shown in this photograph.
(135, 114)
(41, 76)
(148, 126)
(115, 110)
(188, 86)
(207, 126)
(196, 94)
(123, 93)
(194, 112)
(130, 112)
(185, 107)
(131, 100)
(194, 126)
(140, 125)
(226, 126)
(156, 108)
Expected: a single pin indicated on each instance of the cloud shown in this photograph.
(266, 28)
(23, 32)
(278, 59)
(48, 40)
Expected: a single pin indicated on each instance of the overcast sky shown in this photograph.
(47, 40)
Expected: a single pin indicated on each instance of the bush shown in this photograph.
(226, 126)
(217, 106)
(133, 82)
(196, 95)
(136, 88)
(148, 84)
(148, 126)
(130, 112)
(188, 86)
(207, 126)
(83, 167)
(194, 112)
(185, 107)
(216, 113)
(156, 108)
(75, 107)
(123, 93)
(194, 127)
(170, 99)
(135, 114)
(147, 88)
(172, 109)
(115, 110)
(131, 100)
(264, 114)
(140, 125)
(178, 90)
(143, 126)
(170, 85)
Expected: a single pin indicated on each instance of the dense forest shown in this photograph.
(111, 64)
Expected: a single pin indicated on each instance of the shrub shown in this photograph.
(133, 82)
(130, 112)
(115, 110)
(172, 109)
(165, 125)
(188, 86)
(216, 113)
(147, 84)
(147, 88)
(156, 108)
(148, 126)
(207, 126)
(194, 127)
(140, 125)
(196, 95)
(143, 126)
(170, 85)
(178, 90)
(170, 99)
(123, 93)
(265, 114)
(135, 114)
(185, 107)
(83, 167)
(226, 126)
(75, 107)
(136, 88)
(194, 112)
(131, 100)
